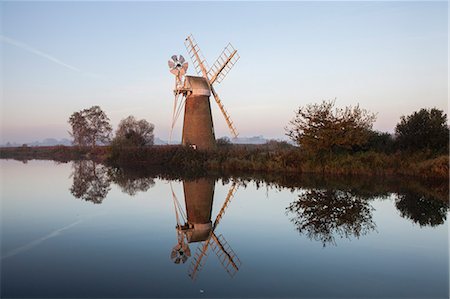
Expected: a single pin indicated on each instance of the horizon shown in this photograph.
(58, 58)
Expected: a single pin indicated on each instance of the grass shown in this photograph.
(269, 158)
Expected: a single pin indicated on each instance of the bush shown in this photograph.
(425, 129)
(380, 142)
(321, 129)
(133, 132)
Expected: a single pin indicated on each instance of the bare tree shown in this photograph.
(90, 126)
(79, 128)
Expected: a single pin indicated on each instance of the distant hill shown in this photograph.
(45, 142)
(249, 140)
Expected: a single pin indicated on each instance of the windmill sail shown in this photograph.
(223, 64)
(199, 61)
(220, 69)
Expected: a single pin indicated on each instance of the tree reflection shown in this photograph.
(422, 209)
(130, 182)
(323, 214)
(90, 181)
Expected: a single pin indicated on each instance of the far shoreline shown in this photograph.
(264, 159)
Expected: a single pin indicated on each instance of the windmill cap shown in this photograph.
(197, 85)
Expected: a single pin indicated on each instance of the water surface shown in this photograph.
(81, 229)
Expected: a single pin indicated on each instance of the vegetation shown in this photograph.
(322, 129)
(329, 141)
(380, 142)
(132, 132)
(425, 129)
(90, 127)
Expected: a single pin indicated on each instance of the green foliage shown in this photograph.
(380, 142)
(322, 129)
(132, 132)
(90, 126)
(425, 129)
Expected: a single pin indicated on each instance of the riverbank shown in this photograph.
(268, 158)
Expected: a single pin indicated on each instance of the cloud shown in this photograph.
(30, 49)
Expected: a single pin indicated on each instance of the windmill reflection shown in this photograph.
(324, 214)
(196, 226)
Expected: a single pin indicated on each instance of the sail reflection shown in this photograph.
(196, 226)
(323, 215)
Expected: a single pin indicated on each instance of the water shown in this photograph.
(82, 230)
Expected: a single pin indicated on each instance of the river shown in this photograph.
(83, 230)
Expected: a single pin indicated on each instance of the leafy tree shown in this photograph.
(90, 126)
(425, 129)
(132, 132)
(321, 128)
(380, 142)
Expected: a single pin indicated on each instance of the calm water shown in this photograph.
(82, 230)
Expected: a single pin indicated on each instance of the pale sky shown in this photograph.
(61, 57)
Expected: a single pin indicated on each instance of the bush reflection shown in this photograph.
(325, 209)
(323, 215)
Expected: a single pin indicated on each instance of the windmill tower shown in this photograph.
(193, 93)
(198, 227)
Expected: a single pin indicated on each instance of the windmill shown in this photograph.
(198, 227)
(193, 93)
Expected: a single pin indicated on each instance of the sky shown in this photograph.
(61, 57)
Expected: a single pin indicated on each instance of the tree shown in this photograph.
(380, 142)
(79, 128)
(132, 132)
(321, 129)
(90, 126)
(223, 142)
(425, 129)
